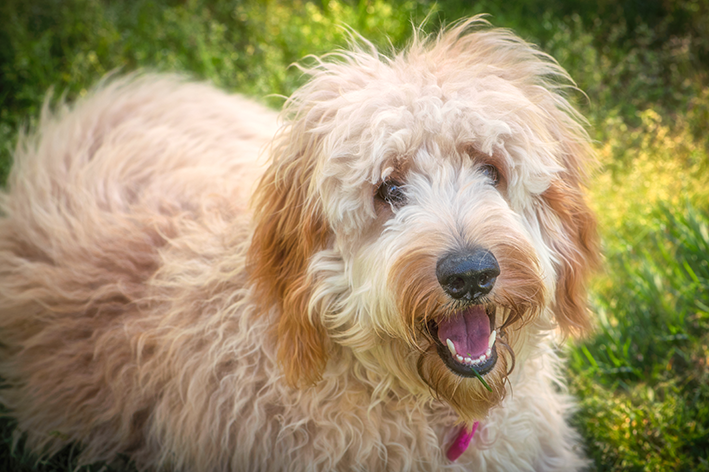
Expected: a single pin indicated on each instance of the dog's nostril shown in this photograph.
(456, 284)
(468, 274)
(487, 279)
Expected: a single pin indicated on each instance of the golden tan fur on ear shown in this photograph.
(577, 245)
(289, 229)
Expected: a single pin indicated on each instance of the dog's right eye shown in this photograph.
(392, 192)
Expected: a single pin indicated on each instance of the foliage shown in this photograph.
(642, 376)
(643, 379)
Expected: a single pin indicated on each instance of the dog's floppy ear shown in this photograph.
(572, 230)
(289, 229)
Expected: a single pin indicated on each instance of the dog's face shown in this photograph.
(425, 213)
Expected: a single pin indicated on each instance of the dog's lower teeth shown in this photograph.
(468, 360)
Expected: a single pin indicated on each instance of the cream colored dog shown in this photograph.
(416, 240)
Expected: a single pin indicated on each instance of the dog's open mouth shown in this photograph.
(466, 340)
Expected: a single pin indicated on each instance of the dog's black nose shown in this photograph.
(467, 274)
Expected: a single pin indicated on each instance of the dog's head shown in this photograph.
(425, 212)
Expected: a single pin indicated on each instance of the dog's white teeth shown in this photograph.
(469, 360)
(451, 348)
(491, 341)
(479, 360)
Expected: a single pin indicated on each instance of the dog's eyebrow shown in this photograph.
(494, 159)
(394, 171)
(387, 172)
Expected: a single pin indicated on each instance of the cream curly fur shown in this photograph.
(146, 311)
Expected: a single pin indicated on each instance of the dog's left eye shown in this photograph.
(492, 173)
(392, 192)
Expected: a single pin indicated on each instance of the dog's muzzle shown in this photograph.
(466, 337)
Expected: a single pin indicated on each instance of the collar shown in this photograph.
(461, 442)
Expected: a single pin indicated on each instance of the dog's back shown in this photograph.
(104, 207)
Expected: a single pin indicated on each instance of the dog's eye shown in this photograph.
(491, 173)
(392, 192)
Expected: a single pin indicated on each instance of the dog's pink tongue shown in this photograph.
(469, 330)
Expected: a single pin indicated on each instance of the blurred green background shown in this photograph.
(642, 378)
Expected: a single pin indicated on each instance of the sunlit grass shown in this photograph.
(642, 378)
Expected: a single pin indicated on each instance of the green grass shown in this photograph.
(642, 377)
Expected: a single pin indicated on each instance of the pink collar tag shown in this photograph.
(461, 442)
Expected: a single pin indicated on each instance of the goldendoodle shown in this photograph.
(385, 292)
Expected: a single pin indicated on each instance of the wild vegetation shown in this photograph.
(642, 377)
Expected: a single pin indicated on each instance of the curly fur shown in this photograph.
(147, 311)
